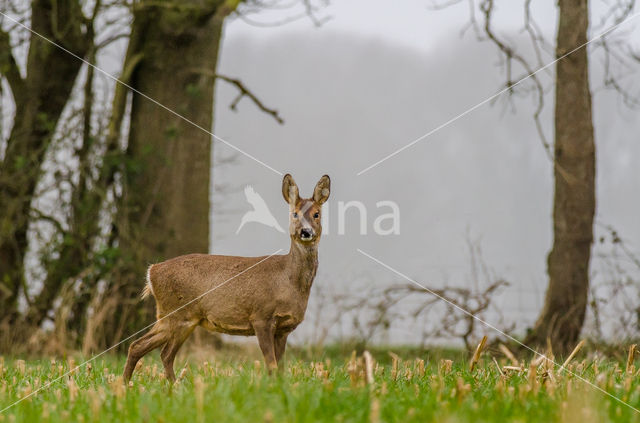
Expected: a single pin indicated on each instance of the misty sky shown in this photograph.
(369, 81)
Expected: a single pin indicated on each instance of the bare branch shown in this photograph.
(244, 91)
(309, 10)
(113, 38)
(535, 35)
(281, 22)
(255, 6)
(311, 13)
(511, 55)
(619, 9)
(611, 80)
(440, 5)
(617, 240)
(9, 67)
(40, 215)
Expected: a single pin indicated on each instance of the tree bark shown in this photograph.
(564, 309)
(164, 209)
(167, 177)
(40, 98)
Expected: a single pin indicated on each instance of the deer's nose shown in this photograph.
(306, 234)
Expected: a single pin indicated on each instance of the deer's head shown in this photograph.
(305, 214)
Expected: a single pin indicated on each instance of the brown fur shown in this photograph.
(268, 300)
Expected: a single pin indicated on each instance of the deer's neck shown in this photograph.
(303, 264)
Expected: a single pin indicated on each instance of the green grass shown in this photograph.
(332, 388)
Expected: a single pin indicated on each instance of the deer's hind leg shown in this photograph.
(179, 333)
(142, 346)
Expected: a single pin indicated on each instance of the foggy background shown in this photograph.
(372, 79)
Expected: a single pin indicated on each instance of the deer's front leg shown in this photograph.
(265, 331)
(280, 345)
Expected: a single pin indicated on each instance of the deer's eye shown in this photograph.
(316, 215)
(295, 215)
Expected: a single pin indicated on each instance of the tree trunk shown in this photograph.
(164, 209)
(563, 314)
(40, 99)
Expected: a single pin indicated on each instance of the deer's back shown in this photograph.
(231, 289)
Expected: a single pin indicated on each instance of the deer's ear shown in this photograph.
(289, 189)
(322, 190)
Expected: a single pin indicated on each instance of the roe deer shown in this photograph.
(266, 296)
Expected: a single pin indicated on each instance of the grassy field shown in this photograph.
(333, 387)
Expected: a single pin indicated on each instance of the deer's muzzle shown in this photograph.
(306, 234)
